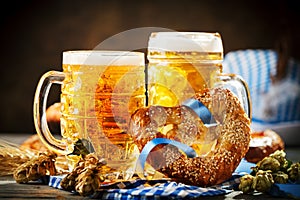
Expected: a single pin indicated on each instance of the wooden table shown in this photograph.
(9, 189)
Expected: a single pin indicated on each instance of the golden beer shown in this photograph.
(100, 90)
(176, 76)
(183, 63)
(180, 65)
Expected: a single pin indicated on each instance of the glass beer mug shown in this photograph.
(182, 63)
(99, 92)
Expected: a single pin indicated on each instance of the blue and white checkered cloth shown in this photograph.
(165, 189)
(154, 189)
(256, 68)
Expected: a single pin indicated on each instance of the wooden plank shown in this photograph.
(12, 190)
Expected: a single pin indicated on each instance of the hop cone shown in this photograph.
(246, 183)
(269, 163)
(88, 181)
(294, 172)
(280, 177)
(263, 181)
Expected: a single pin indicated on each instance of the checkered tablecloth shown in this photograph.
(162, 189)
(154, 189)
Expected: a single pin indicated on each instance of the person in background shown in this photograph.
(273, 77)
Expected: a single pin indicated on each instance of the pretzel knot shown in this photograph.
(181, 123)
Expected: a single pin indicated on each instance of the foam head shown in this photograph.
(185, 42)
(92, 57)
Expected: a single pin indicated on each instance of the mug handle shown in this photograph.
(239, 87)
(39, 111)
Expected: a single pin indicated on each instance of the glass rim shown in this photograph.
(102, 57)
(185, 41)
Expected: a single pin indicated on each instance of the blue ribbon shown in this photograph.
(201, 110)
(204, 114)
(190, 152)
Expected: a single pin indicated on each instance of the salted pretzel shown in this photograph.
(262, 144)
(183, 125)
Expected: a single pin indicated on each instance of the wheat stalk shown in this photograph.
(11, 157)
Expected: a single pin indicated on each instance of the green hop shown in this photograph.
(246, 183)
(280, 156)
(269, 163)
(280, 177)
(294, 171)
(263, 181)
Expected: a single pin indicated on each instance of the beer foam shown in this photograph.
(185, 41)
(97, 57)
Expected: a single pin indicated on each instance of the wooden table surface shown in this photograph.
(9, 189)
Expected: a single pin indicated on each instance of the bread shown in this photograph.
(262, 144)
(53, 115)
(232, 143)
(33, 143)
(53, 119)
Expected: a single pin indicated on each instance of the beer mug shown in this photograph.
(99, 92)
(183, 63)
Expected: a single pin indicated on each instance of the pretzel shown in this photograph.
(232, 143)
(262, 144)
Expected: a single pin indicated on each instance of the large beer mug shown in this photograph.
(99, 92)
(182, 63)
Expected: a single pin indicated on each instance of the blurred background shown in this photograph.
(35, 33)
